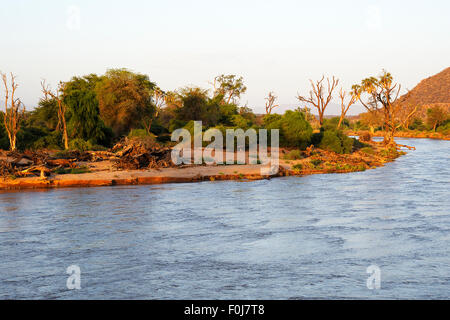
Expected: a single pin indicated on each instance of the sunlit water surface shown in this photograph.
(287, 238)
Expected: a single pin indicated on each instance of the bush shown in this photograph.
(444, 128)
(331, 124)
(359, 145)
(368, 150)
(336, 141)
(295, 131)
(163, 138)
(418, 124)
(80, 145)
(297, 167)
(365, 136)
(293, 155)
(139, 133)
(157, 128)
(83, 169)
(316, 162)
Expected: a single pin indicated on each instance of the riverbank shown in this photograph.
(311, 161)
(406, 134)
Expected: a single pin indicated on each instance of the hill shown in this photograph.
(434, 90)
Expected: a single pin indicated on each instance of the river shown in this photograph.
(309, 237)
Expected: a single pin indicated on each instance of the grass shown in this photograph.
(79, 170)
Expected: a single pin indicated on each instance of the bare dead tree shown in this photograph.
(14, 111)
(406, 112)
(346, 105)
(318, 97)
(46, 90)
(270, 104)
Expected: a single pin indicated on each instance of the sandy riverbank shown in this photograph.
(102, 174)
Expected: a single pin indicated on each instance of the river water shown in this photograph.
(307, 237)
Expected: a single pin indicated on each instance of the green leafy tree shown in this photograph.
(197, 106)
(81, 99)
(124, 99)
(436, 116)
(229, 88)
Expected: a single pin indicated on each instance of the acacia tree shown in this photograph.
(346, 105)
(436, 116)
(230, 87)
(270, 103)
(14, 111)
(61, 109)
(318, 97)
(372, 120)
(124, 98)
(382, 95)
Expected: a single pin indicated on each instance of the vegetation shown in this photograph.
(293, 155)
(92, 112)
(295, 130)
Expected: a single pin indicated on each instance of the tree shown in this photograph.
(436, 116)
(372, 120)
(80, 97)
(61, 109)
(124, 99)
(382, 95)
(318, 97)
(346, 105)
(270, 104)
(159, 101)
(194, 101)
(406, 112)
(14, 111)
(229, 87)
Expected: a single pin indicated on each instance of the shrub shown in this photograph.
(418, 124)
(336, 141)
(293, 155)
(368, 150)
(365, 136)
(316, 162)
(295, 130)
(331, 124)
(297, 167)
(359, 145)
(80, 144)
(139, 133)
(80, 170)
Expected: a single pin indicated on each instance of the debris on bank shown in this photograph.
(128, 154)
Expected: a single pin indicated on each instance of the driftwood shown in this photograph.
(43, 171)
(134, 154)
(405, 146)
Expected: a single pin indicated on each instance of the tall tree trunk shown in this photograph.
(340, 121)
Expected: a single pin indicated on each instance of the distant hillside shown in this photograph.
(435, 89)
(430, 91)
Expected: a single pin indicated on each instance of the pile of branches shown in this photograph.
(33, 163)
(132, 154)
(7, 169)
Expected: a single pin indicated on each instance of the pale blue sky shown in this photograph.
(274, 45)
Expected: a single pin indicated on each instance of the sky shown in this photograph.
(274, 45)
